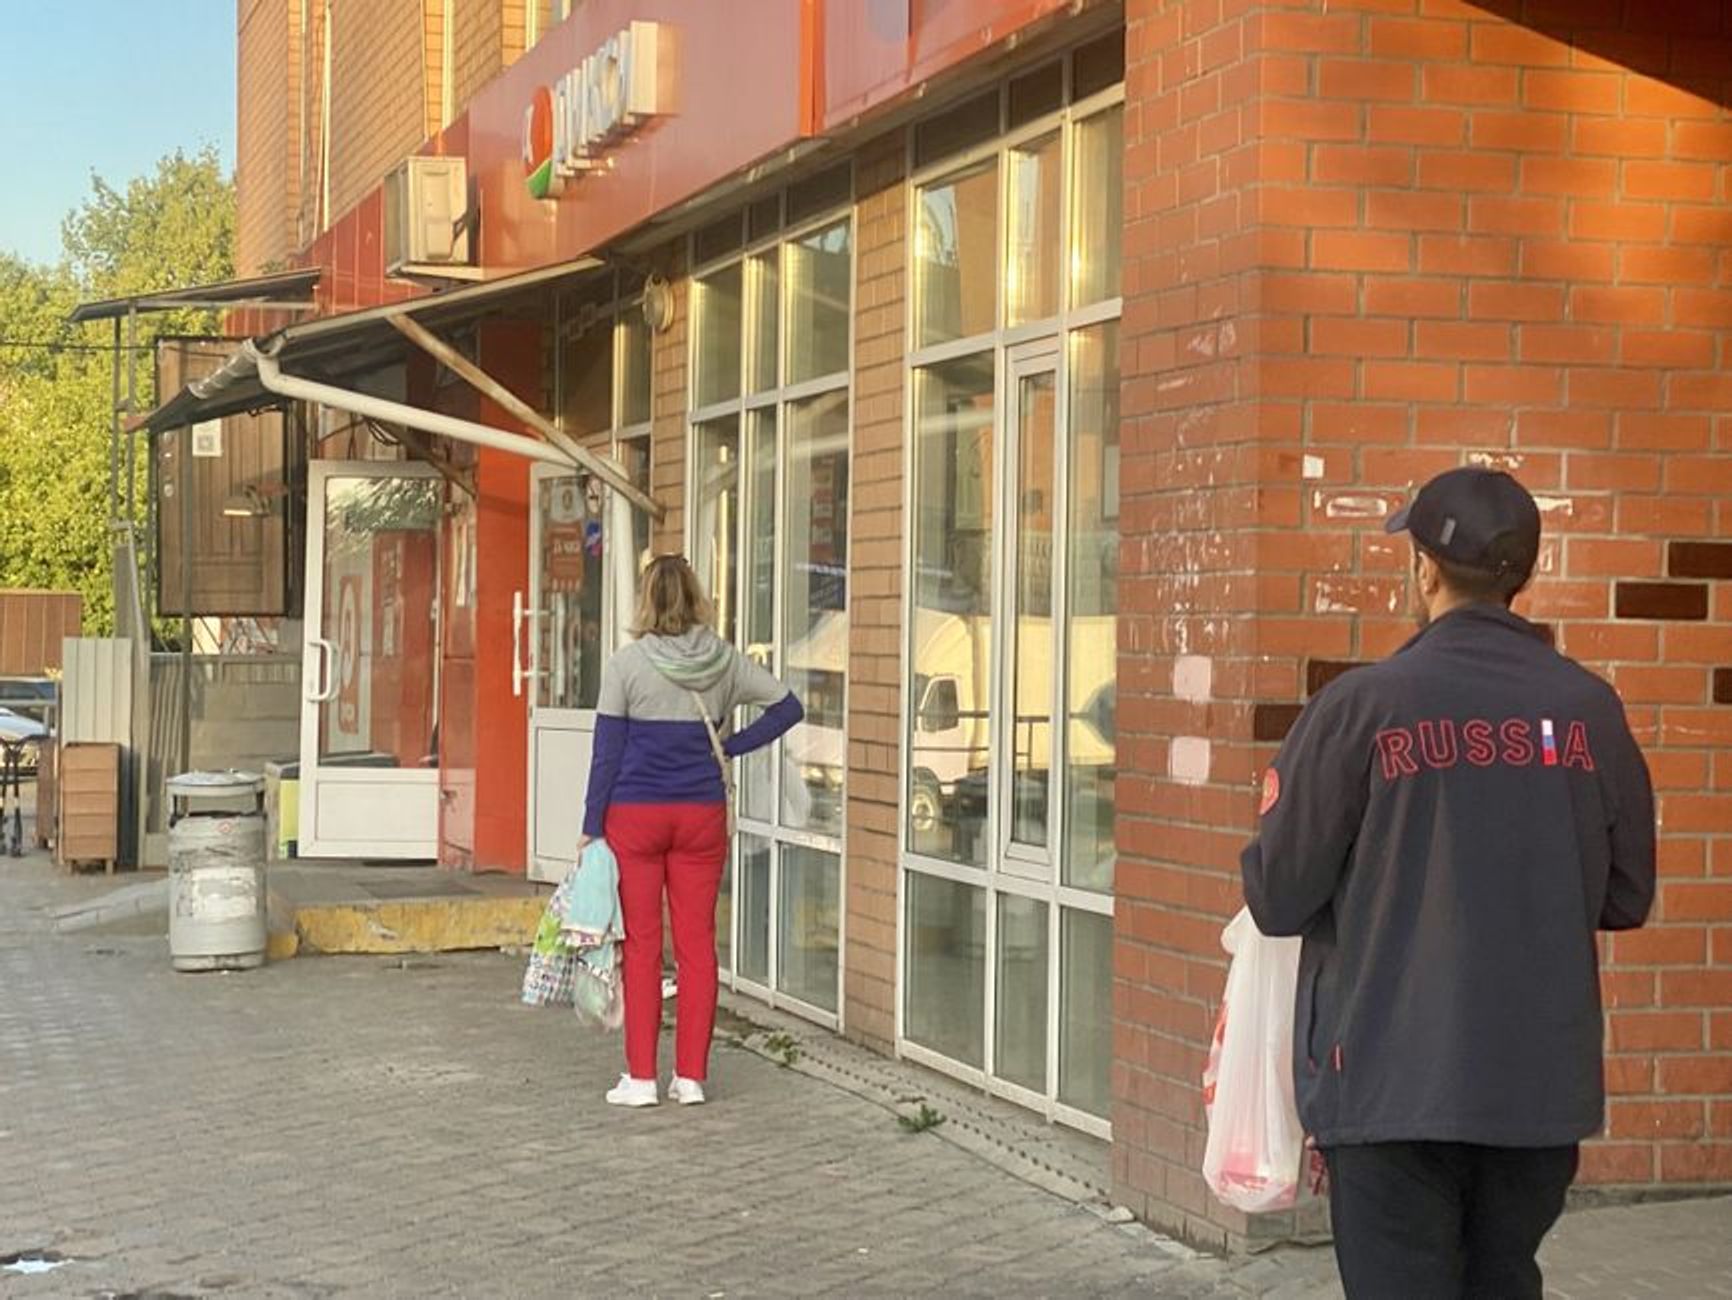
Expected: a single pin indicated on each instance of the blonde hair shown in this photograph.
(670, 601)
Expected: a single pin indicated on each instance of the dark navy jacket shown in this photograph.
(1448, 829)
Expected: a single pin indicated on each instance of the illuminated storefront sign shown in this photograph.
(570, 126)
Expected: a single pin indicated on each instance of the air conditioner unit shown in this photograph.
(427, 226)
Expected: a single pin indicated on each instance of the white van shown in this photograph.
(951, 732)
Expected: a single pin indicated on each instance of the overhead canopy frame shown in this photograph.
(279, 291)
(319, 361)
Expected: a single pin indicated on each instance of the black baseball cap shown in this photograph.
(1478, 518)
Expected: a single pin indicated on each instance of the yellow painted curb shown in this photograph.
(427, 925)
(281, 941)
(280, 945)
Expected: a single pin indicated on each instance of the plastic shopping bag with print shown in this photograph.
(549, 978)
(1256, 1148)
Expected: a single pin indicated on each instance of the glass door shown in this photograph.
(565, 616)
(1028, 679)
(1019, 1007)
(579, 605)
(369, 717)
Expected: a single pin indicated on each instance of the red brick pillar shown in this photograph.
(668, 405)
(1208, 463)
(875, 595)
(1366, 242)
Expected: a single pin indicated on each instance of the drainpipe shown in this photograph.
(379, 408)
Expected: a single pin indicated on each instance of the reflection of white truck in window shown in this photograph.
(815, 752)
(952, 654)
(951, 705)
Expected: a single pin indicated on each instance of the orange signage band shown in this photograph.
(569, 127)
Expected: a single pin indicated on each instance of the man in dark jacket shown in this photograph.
(1448, 829)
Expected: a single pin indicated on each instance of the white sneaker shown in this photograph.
(688, 1092)
(633, 1092)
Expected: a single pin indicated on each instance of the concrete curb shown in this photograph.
(383, 928)
(127, 904)
(413, 925)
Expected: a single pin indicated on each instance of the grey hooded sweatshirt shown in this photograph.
(651, 746)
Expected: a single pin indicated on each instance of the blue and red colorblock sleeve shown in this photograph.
(769, 727)
(611, 730)
(610, 735)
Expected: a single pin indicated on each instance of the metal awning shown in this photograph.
(341, 348)
(280, 291)
(319, 361)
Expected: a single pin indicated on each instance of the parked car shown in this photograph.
(27, 735)
(25, 707)
(31, 696)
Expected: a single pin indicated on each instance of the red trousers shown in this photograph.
(681, 848)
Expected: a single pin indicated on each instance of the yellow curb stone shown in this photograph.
(420, 925)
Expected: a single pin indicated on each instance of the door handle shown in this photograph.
(520, 611)
(326, 679)
(313, 671)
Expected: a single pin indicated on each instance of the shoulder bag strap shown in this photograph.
(721, 756)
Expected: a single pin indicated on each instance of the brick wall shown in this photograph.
(267, 133)
(875, 578)
(1189, 495)
(1368, 240)
(668, 407)
(311, 117)
(478, 45)
(512, 29)
(432, 66)
(386, 90)
(378, 100)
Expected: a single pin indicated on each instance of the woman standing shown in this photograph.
(658, 795)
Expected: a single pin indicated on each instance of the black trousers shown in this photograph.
(1417, 1220)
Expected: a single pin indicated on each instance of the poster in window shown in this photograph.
(350, 650)
(562, 546)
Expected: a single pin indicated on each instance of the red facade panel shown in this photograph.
(738, 79)
(876, 51)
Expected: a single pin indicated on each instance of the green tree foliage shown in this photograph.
(168, 229)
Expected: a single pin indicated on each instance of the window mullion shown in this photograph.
(1054, 976)
(1008, 466)
(1002, 738)
(616, 368)
(778, 592)
(1058, 603)
(989, 986)
(778, 647)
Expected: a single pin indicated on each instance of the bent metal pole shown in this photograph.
(608, 471)
(379, 408)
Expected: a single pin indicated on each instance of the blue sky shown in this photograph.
(107, 86)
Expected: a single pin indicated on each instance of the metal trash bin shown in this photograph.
(216, 871)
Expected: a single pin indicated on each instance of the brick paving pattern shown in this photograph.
(385, 1127)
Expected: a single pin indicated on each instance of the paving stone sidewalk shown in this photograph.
(348, 1127)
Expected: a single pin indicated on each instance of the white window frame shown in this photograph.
(740, 408)
(1033, 873)
(615, 310)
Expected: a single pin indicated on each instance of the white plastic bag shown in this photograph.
(1256, 1145)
